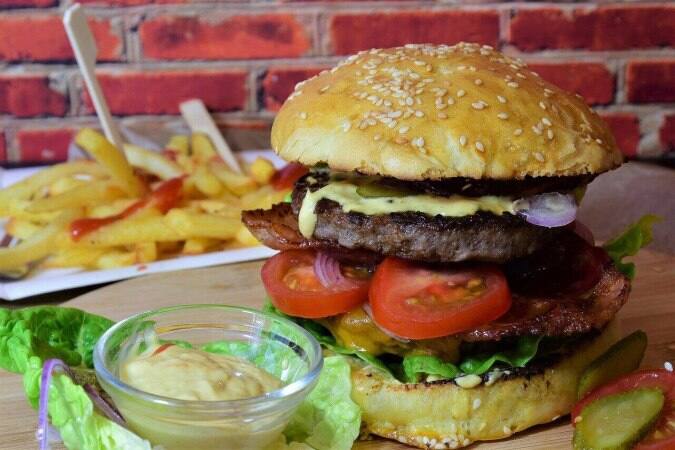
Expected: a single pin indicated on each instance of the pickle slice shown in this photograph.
(374, 190)
(621, 358)
(618, 421)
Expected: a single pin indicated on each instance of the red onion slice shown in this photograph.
(45, 433)
(327, 270)
(548, 210)
(48, 369)
(103, 405)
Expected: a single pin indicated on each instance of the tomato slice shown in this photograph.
(663, 435)
(288, 175)
(416, 301)
(295, 289)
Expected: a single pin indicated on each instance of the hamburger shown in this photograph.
(433, 237)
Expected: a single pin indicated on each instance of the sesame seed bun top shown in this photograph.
(428, 112)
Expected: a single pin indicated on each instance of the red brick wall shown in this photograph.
(243, 58)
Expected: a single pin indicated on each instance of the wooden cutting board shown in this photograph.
(651, 308)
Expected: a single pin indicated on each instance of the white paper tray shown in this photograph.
(53, 280)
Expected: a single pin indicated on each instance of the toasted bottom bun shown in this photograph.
(444, 415)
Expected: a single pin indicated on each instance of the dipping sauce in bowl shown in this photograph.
(207, 377)
(189, 374)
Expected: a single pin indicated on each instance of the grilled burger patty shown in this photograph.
(479, 237)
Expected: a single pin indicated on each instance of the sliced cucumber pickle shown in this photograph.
(618, 421)
(374, 190)
(621, 358)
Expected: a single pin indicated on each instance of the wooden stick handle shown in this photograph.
(84, 47)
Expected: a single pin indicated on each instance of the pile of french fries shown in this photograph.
(42, 209)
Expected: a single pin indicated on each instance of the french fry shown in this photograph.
(111, 159)
(196, 246)
(262, 198)
(262, 170)
(218, 207)
(92, 193)
(25, 189)
(245, 237)
(38, 245)
(186, 163)
(206, 182)
(110, 209)
(152, 162)
(145, 252)
(21, 228)
(236, 183)
(63, 185)
(74, 256)
(202, 225)
(179, 143)
(168, 248)
(134, 230)
(19, 209)
(202, 148)
(115, 258)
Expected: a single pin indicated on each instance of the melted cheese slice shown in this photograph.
(346, 195)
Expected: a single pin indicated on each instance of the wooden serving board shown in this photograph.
(651, 308)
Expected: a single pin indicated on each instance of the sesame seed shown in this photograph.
(461, 93)
(546, 121)
(462, 140)
(441, 106)
(501, 99)
(371, 121)
(346, 126)
(538, 156)
(536, 129)
(419, 113)
(549, 134)
(478, 105)
(409, 101)
(442, 115)
(324, 89)
(476, 403)
(395, 114)
(547, 92)
(479, 146)
(599, 141)
(377, 137)
(451, 101)
(512, 84)
(404, 129)
(506, 430)
(392, 124)
(518, 132)
(520, 75)
(503, 115)
(401, 140)
(668, 366)
(420, 63)
(542, 105)
(418, 142)
(478, 82)
(303, 115)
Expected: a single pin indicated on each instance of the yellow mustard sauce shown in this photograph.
(190, 374)
(346, 195)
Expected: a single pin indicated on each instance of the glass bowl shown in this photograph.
(275, 344)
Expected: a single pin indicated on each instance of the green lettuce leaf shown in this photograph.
(48, 332)
(414, 366)
(328, 419)
(524, 350)
(630, 242)
(81, 427)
